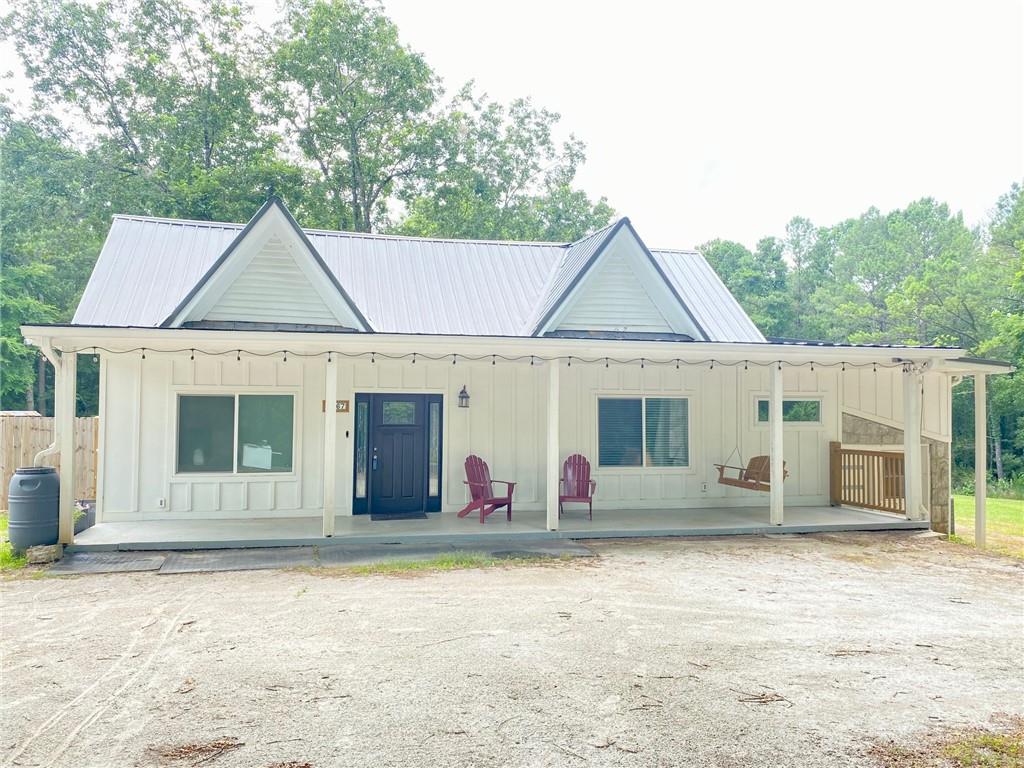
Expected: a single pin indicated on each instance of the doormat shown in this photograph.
(399, 516)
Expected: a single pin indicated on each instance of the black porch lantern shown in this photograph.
(463, 397)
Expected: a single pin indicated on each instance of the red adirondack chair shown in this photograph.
(481, 490)
(576, 483)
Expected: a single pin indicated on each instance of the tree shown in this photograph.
(758, 280)
(51, 229)
(359, 106)
(169, 96)
(505, 178)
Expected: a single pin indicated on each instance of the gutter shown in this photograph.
(51, 449)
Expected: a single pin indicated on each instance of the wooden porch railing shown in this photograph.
(868, 479)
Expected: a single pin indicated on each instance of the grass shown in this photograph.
(453, 561)
(998, 747)
(1004, 524)
(9, 561)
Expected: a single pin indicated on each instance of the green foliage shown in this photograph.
(174, 108)
(358, 104)
(508, 180)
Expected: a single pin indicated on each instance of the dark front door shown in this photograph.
(399, 443)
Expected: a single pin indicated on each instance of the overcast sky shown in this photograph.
(726, 118)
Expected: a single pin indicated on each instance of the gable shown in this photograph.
(272, 289)
(614, 299)
(620, 289)
(269, 274)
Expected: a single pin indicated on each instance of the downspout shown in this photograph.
(52, 448)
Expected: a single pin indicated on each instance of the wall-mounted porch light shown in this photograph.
(463, 397)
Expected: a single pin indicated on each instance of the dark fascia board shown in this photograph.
(983, 361)
(271, 202)
(618, 335)
(664, 278)
(624, 222)
(579, 275)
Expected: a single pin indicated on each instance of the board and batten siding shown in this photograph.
(273, 289)
(505, 424)
(878, 396)
(614, 291)
(722, 413)
(139, 421)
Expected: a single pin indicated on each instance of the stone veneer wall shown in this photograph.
(861, 431)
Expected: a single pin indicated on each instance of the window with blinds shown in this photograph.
(643, 431)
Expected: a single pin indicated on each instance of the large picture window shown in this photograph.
(236, 433)
(643, 431)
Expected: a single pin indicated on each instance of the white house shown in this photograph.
(269, 383)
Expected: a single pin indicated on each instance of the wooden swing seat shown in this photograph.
(755, 477)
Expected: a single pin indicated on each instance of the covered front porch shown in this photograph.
(525, 525)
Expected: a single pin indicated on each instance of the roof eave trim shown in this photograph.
(661, 273)
(542, 326)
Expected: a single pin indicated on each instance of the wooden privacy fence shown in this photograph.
(865, 478)
(22, 437)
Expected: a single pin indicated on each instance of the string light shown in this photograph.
(95, 357)
(533, 358)
(569, 364)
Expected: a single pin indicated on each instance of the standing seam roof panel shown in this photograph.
(403, 285)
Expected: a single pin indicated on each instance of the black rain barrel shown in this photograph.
(33, 500)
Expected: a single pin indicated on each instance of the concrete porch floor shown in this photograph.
(526, 525)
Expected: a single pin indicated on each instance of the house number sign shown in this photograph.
(340, 406)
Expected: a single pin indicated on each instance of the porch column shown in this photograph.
(912, 442)
(775, 447)
(65, 395)
(554, 470)
(980, 458)
(330, 446)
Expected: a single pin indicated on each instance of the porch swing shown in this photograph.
(756, 475)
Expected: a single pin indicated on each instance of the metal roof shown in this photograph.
(148, 266)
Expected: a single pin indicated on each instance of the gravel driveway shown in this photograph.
(742, 651)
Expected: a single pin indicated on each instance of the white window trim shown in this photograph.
(819, 397)
(690, 467)
(234, 474)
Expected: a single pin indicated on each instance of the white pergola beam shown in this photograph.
(912, 461)
(552, 456)
(980, 458)
(776, 446)
(330, 446)
(66, 393)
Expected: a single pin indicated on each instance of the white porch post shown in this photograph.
(65, 395)
(330, 446)
(554, 471)
(912, 442)
(980, 458)
(775, 449)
